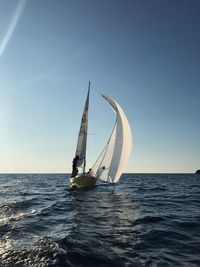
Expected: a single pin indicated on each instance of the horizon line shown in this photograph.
(122, 173)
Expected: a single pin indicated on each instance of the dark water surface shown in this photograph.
(147, 220)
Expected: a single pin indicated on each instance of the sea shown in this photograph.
(146, 220)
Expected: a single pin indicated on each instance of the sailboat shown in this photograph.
(113, 159)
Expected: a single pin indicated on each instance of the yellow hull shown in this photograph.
(83, 181)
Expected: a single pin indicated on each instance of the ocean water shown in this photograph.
(146, 220)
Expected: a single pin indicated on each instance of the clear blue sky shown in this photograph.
(145, 54)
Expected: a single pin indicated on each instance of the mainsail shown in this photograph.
(114, 157)
(82, 136)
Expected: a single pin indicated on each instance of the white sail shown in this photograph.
(114, 158)
(82, 136)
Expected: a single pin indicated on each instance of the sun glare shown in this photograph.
(12, 25)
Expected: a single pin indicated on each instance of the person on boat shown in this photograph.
(74, 172)
(74, 166)
(74, 163)
(89, 171)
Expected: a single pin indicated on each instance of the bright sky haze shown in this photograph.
(144, 54)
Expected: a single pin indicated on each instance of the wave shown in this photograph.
(145, 221)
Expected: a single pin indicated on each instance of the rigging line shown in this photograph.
(87, 134)
(94, 88)
(91, 124)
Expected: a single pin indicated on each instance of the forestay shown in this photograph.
(114, 157)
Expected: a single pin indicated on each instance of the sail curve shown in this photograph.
(82, 136)
(115, 155)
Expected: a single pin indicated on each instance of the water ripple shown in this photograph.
(148, 220)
